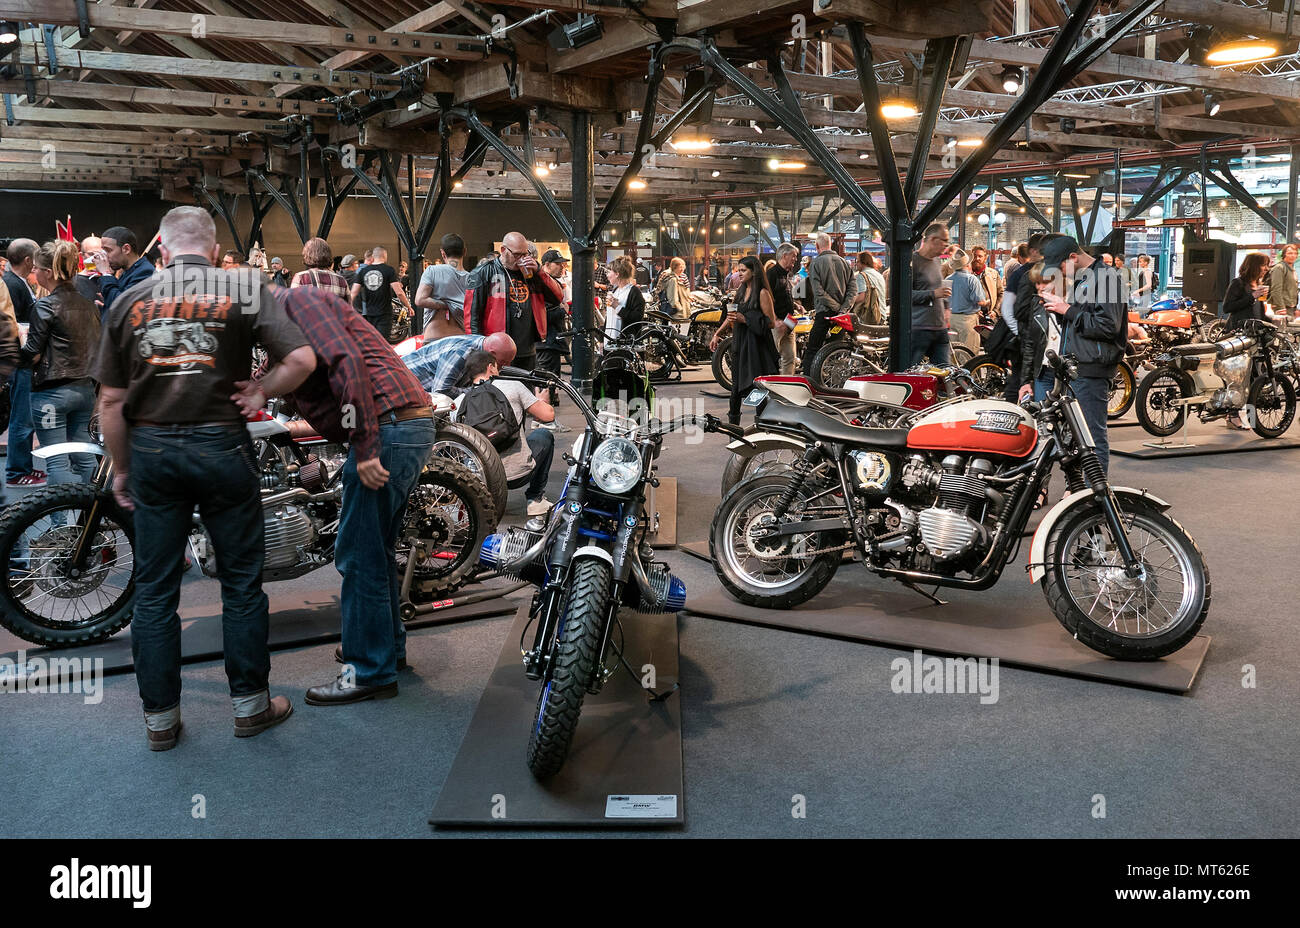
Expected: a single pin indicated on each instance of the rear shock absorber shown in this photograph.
(802, 468)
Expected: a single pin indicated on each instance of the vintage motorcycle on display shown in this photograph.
(1248, 372)
(590, 558)
(944, 501)
(869, 400)
(67, 565)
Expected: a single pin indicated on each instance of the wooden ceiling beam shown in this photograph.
(162, 96)
(114, 118)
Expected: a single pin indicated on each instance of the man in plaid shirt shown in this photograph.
(361, 393)
(317, 258)
(439, 364)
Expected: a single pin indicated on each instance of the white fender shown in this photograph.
(754, 442)
(1038, 550)
(68, 447)
(593, 551)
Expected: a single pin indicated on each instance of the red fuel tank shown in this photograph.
(976, 427)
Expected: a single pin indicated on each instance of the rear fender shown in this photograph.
(758, 442)
(1038, 550)
(68, 447)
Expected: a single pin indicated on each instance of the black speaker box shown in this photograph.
(1207, 269)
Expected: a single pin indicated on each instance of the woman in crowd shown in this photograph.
(1245, 297)
(673, 290)
(626, 304)
(753, 318)
(61, 345)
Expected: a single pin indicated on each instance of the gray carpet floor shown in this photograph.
(767, 715)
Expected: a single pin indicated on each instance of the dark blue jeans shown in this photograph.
(62, 414)
(541, 442)
(932, 344)
(174, 469)
(1093, 394)
(365, 554)
(18, 459)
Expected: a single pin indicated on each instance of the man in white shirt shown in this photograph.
(480, 368)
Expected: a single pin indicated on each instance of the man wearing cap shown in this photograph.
(1095, 317)
(551, 349)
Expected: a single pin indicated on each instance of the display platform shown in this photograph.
(978, 625)
(298, 618)
(661, 504)
(699, 374)
(624, 768)
(1220, 441)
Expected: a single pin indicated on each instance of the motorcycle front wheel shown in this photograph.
(659, 356)
(722, 363)
(1156, 411)
(46, 598)
(1130, 619)
(560, 704)
(1273, 402)
(1123, 390)
(758, 572)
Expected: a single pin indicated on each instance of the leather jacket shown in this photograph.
(64, 331)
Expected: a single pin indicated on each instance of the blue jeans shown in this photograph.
(365, 553)
(1043, 385)
(932, 344)
(174, 469)
(541, 442)
(1093, 394)
(62, 414)
(18, 459)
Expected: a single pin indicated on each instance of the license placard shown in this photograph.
(641, 806)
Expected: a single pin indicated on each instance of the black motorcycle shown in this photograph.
(591, 557)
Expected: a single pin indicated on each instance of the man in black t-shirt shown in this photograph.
(376, 284)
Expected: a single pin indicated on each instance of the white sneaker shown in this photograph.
(539, 507)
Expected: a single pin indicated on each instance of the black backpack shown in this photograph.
(487, 409)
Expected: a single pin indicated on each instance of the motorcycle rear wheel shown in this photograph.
(722, 363)
(35, 577)
(468, 446)
(1154, 412)
(660, 358)
(1130, 620)
(988, 374)
(452, 509)
(1273, 402)
(1123, 390)
(768, 578)
(560, 704)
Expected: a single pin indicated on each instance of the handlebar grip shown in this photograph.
(517, 373)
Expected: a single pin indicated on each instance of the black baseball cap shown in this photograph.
(1059, 249)
(553, 254)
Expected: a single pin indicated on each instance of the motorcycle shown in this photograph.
(944, 501)
(590, 558)
(67, 566)
(857, 349)
(1224, 378)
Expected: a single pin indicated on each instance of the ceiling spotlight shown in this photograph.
(776, 165)
(972, 142)
(583, 31)
(1240, 51)
(1011, 78)
(898, 108)
(552, 165)
(8, 32)
(949, 142)
(735, 225)
(863, 156)
(1067, 125)
(458, 185)
(717, 173)
(541, 170)
(636, 184)
(691, 143)
(1212, 104)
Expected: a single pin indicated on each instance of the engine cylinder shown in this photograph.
(666, 593)
(288, 528)
(501, 551)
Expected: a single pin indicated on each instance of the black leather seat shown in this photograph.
(1196, 348)
(830, 428)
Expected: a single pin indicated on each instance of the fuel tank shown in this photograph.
(1174, 318)
(977, 426)
(915, 391)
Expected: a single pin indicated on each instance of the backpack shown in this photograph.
(869, 312)
(1002, 345)
(487, 409)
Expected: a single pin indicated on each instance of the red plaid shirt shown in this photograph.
(321, 278)
(357, 378)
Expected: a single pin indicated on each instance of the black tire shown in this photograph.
(989, 374)
(961, 355)
(1123, 391)
(660, 357)
(470, 447)
(17, 520)
(806, 584)
(722, 363)
(1271, 394)
(445, 484)
(1216, 331)
(1091, 631)
(833, 365)
(741, 466)
(1159, 387)
(560, 702)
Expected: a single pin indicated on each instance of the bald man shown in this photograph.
(87, 280)
(440, 364)
(509, 294)
(376, 286)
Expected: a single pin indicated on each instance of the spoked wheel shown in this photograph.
(1123, 389)
(762, 569)
(47, 595)
(660, 360)
(576, 645)
(989, 375)
(961, 355)
(1130, 618)
(722, 363)
(835, 363)
(1157, 408)
(771, 461)
(469, 447)
(447, 517)
(1273, 401)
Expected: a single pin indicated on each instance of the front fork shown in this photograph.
(103, 480)
(1095, 477)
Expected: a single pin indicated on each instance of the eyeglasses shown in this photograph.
(517, 254)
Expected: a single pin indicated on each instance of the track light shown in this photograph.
(583, 31)
(1067, 125)
(717, 173)
(1240, 51)
(1011, 78)
(898, 108)
(1212, 104)
(8, 32)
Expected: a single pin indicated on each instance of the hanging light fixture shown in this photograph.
(1012, 78)
(972, 142)
(8, 32)
(898, 107)
(636, 183)
(1242, 50)
(689, 142)
(541, 170)
(1212, 104)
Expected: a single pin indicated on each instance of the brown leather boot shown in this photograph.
(164, 740)
(279, 710)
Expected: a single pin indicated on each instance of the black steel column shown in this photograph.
(584, 253)
(1293, 175)
(900, 294)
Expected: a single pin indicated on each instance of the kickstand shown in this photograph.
(930, 596)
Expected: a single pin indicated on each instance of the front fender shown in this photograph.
(68, 447)
(1038, 550)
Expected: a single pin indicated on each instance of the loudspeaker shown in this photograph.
(1207, 269)
(693, 84)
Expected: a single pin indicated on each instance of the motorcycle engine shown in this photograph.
(288, 529)
(1233, 370)
(947, 529)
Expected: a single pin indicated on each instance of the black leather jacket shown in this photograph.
(64, 331)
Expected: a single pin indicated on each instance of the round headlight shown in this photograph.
(616, 465)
